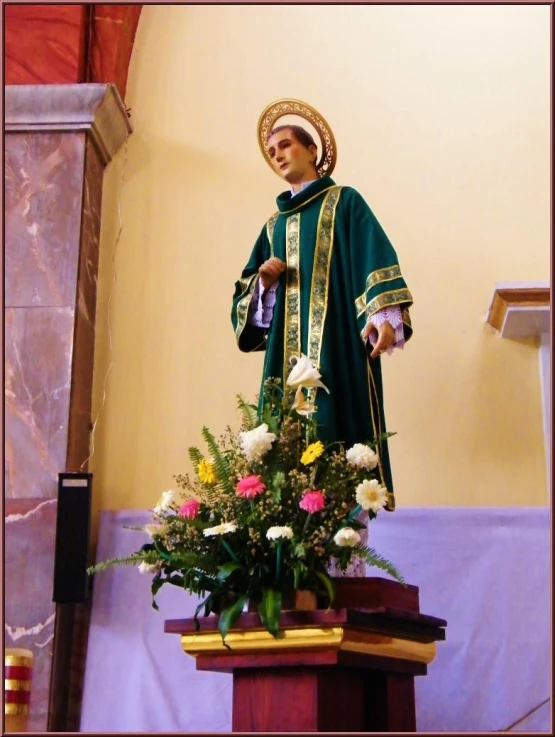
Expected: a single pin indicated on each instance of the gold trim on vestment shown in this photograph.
(374, 428)
(320, 276)
(347, 639)
(389, 273)
(387, 299)
(405, 315)
(374, 392)
(270, 225)
(243, 304)
(292, 342)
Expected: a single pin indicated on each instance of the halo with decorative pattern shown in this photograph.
(291, 107)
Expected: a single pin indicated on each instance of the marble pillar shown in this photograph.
(58, 140)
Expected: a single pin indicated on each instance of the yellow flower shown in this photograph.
(313, 452)
(206, 472)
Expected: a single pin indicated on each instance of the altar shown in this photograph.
(485, 570)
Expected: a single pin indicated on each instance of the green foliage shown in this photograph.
(372, 558)
(249, 413)
(221, 466)
(229, 616)
(224, 553)
(269, 610)
(196, 457)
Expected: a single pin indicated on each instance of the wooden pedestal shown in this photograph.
(349, 669)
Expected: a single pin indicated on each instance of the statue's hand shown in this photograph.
(271, 270)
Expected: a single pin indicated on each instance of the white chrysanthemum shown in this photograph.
(256, 443)
(371, 495)
(347, 538)
(151, 568)
(304, 373)
(275, 533)
(164, 503)
(361, 456)
(222, 529)
(155, 530)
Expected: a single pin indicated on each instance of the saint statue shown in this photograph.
(323, 280)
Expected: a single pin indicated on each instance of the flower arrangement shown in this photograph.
(267, 510)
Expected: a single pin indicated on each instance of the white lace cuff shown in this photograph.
(261, 312)
(393, 316)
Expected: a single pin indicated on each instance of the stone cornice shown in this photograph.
(95, 108)
(520, 309)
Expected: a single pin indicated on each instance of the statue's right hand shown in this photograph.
(271, 270)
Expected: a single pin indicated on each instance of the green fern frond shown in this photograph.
(130, 560)
(220, 463)
(196, 457)
(248, 411)
(372, 558)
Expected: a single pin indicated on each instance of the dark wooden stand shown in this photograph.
(350, 669)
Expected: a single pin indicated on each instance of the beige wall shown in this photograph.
(442, 120)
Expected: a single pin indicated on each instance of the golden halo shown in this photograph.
(281, 108)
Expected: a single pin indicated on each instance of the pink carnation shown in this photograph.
(312, 501)
(189, 509)
(250, 486)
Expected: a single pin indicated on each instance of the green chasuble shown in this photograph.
(341, 269)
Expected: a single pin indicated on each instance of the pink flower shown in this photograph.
(189, 509)
(250, 486)
(312, 501)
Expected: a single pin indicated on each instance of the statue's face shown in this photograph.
(290, 159)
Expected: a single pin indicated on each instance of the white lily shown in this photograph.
(304, 373)
(301, 405)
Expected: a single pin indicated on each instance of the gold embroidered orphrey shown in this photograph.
(319, 286)
(289, 106)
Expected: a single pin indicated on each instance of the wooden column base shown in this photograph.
(316, 699)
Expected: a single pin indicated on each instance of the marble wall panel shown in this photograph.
(43, 197)
(83, 363)
(30, 529)
(37, 365)
(44, 44)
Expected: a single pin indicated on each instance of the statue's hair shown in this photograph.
(300, 134)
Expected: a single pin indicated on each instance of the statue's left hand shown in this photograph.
(386, 337)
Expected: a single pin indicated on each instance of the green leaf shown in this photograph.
(155, 586)
(277, 484)
(199, 607)
(221, 466)
(299, 551)
(196, 457)
(249, 412)
(372, 558)
(269, 610)
(329, 586)
(229, 616)
(227, 569)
